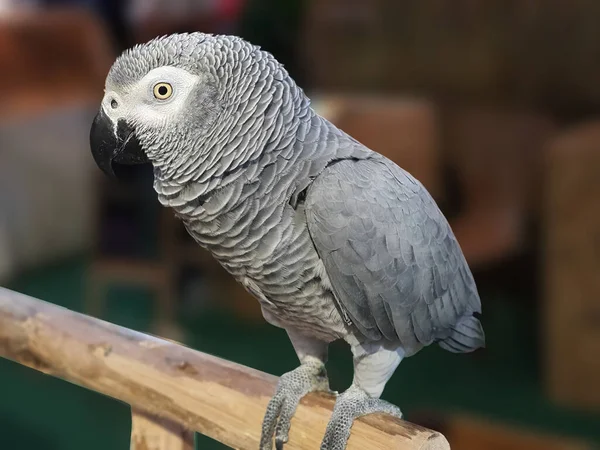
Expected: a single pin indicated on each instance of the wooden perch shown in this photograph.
(150, 432)
(200, 392)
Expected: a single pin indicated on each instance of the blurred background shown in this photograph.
(494, 106)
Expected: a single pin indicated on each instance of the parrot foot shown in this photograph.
(350, 405)
(292, 386)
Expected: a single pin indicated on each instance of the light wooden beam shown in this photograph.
(154, 433)
(218, 398)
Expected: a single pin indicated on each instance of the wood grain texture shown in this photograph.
(154, 433)
(218, 398)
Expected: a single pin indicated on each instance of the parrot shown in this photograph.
(334, 240)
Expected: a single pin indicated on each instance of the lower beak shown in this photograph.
(114, 144)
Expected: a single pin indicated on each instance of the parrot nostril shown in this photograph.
(113, 104)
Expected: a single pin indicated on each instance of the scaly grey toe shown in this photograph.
(291, 388)
(352, 404)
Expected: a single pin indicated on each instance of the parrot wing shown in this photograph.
(391, 257)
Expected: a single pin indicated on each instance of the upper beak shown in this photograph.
(114, 144)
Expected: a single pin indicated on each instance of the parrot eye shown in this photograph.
(162, 91)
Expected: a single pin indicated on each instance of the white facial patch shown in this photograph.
(138, 104)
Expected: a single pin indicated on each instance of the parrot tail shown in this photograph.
(465, 337)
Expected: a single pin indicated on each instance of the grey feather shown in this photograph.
(391, 256)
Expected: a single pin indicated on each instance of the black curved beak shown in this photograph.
(109, 145)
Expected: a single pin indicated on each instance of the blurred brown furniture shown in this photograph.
(572, 267)
(497, 155)
(52, 59)
(470, 433)
(511, 52)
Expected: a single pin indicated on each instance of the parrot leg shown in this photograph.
(373, 367)
(308, 377)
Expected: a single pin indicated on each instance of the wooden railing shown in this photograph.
(172, 389)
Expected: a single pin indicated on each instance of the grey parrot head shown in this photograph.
(163, 97)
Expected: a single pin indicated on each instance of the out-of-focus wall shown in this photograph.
(55, 65)
(46, 196)
(525, 52)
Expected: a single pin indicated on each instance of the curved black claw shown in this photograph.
(352, 404)
(291, 388)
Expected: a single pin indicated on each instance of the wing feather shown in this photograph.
(392, 259)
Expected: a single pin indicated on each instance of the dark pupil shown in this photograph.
(162, 90)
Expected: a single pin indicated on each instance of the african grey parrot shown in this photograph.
(333, 239)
